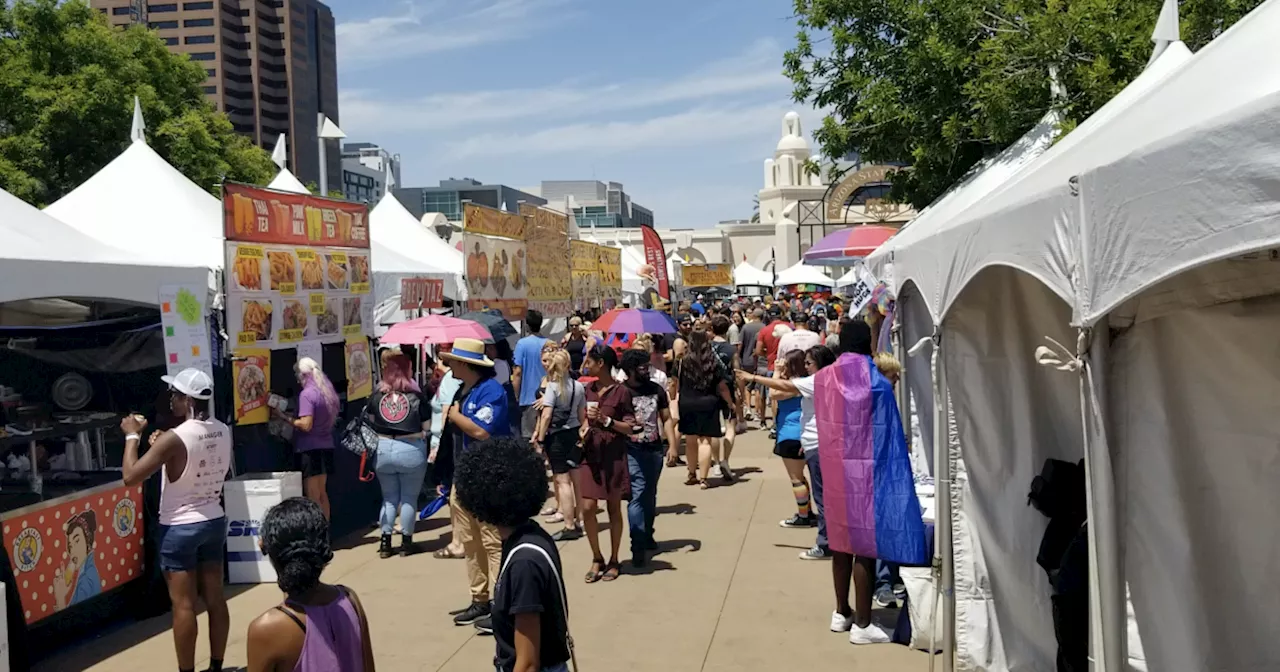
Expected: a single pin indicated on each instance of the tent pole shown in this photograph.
(1107, 613)
(942, 434)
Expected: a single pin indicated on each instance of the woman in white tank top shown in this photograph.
(193, 459)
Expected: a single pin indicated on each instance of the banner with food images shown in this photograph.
(584, 261)
(251, 370)
(550, 278)
(609, 262)
(494, 245)
(297, 268)
(359, 368)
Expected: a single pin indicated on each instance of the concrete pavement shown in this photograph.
(726, 592)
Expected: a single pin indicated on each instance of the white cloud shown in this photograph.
(430, 26)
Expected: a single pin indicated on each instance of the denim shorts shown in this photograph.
(184, 547)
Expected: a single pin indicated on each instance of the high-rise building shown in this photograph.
(600, 204)
(448, 198)
(271, 66)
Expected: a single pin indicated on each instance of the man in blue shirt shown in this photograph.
(528, 372)
(697, 307)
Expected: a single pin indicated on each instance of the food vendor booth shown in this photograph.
(73, 533)
(804, 279)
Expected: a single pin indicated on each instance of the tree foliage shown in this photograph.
(67, 84)
(941, 84)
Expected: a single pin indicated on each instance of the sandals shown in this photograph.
(596, 572)
(704, 484)
(612, 571)
(446, 554)
(691, 480)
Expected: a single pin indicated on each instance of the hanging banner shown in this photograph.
(609, 263)
(359, 368)
(708, 275)
(859, 292)
(185, 328)
(484, 221)
(550, 277)
(585, 264)
(251, 369)
(421, 293)
(298, 268)
(494, 244)
(655, 269)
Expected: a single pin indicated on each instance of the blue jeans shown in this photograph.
(645, 465)
(815, 495)
(886, 575)
(401, 467)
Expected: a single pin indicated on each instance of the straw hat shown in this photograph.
(468, 350)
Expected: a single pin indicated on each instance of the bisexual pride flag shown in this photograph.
(869, 495)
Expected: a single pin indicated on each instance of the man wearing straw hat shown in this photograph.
(480, 413)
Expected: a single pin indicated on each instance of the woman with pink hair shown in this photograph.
(401, 415)
(313, 430)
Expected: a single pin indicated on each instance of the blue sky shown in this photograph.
(680, 100)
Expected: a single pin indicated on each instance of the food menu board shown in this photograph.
(493, 242)
(585, 270)
(297, 268)
(251, 368)
(550, 276)
(609, 261)
(359, 368)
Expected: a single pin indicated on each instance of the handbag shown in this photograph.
(564, 603)
(359, 438)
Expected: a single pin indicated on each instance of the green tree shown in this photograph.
(67, 84)
(941, 84)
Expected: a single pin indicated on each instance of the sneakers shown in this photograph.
(872, 634)
(885, 599)
(716, 471)
(773, 434)
(484, 626)
(473, 613)
(567, 534)
(841, 623)
(816, 553)
(799, 521)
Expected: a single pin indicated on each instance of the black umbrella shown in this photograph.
(492, 320)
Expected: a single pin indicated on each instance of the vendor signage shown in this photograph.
(74, 550)
(251, 369)
(655, 258)
(708, 275)
(609, 265)
(550, 278)
(359, 368)
(306, 278)
(421, 293)
(494, 244)
(185, 328)
(585, 264)
(859, 292)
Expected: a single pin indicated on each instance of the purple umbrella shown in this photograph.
(635, 321)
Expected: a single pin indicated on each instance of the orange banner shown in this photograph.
(490, 222)
(257, 215)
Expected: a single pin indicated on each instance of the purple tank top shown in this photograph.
(332, 642)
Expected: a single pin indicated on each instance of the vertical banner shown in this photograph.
(860, 291)
(550, 277)
(585, 264)
(609, 263)
(359, 368)
(251, 368)
(184, 322)
(494, 244)
(655, 258)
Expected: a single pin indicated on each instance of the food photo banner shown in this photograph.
(708, 275)
(609, 263)
(584, 261)
(550, 277)
(251, 368)
(297, 268)
(494, 244)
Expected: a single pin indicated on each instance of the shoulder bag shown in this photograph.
(564, 602)
(359, 438)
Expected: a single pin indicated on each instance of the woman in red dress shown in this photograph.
(603, 474)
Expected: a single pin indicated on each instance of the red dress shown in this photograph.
(604, 465)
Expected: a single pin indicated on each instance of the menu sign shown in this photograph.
(421, 293)
(297, 268)
(183, 319)
(609, 262)
(496, 275)
(584, 263)
(550, 278)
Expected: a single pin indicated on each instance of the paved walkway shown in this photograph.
(727, 592)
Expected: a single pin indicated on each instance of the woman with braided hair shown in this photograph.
(319, 627)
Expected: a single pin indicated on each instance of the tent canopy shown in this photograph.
(800, 274)
(287, 181)
(747, 275)
(395, 227)
(41, 257)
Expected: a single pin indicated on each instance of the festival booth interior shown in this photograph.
(1141, 246)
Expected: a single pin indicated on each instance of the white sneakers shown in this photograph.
(872, 634)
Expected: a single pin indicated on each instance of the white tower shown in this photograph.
(785, 184)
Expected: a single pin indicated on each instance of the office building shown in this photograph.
(447, 199)
(271, 66)
(364, 171)
(599, 204)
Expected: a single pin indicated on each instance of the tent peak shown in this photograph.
(1167, 29)
(138, 132)
(279, 154)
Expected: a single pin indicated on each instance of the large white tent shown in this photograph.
(802, 274)
(746, 275)
(401, 248)
(41, 257)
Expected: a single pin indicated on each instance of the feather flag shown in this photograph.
(869, 496)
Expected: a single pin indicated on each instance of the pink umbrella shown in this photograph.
(843, 247)
(434, 329)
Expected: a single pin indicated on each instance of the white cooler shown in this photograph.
(248, 497)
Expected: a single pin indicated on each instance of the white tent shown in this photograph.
(287, 181)
(417, 252)
(41, 257)
(140, 202)
(747, 275)
(800, 274)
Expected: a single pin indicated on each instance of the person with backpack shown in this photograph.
(502, 484)
(564, 411)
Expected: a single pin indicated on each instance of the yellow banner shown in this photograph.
(490, 222)
(359, 368)
(252, 370)
(609, 263)
(708, 275)
(550, 275)
(585, 262)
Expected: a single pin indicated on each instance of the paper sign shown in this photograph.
(859, 292)
(313, 350)
(185, 328)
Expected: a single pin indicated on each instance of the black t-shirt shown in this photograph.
(725, 352)
(648, 399)
(397, 413)
(528, 586)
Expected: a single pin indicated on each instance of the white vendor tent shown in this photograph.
(287, 181)
(800, 274)
(745, 274)
(41, 257)
(394, 229)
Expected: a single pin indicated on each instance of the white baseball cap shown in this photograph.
(192, 382)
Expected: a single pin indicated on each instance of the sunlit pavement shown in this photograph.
(726, 592)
